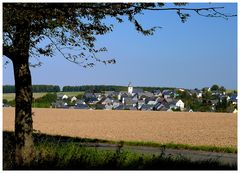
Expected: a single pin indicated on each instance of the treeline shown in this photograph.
(8, 89)
(101, 88)
(46, 88)
(94, 88)
(35, 88)
(84, 88)
(150, 89)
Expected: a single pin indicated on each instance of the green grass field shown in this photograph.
(231, 91)
(11, 96)
(8, 96)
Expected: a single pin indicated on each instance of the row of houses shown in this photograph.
(136, 99)
(133, 99)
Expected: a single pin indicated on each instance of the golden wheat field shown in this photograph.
(219, 129)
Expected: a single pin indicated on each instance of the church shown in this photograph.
(132, 90)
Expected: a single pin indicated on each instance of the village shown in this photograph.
(205, 100)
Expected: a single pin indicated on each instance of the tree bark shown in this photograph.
(24, 149)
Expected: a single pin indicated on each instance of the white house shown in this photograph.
(199, 95)
(73, 99)
(235, 111)
(180, 104)
(119, 96)
(64, 97)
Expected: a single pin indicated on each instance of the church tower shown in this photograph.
(130, 88)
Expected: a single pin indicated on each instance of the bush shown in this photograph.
(11, 103)
(45, 101)
(176, 109)
(5, 101)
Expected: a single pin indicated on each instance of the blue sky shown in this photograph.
(195, 54)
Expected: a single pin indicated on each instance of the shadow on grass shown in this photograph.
(65, 153)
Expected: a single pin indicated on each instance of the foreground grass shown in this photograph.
(138, 143)
(52, 154)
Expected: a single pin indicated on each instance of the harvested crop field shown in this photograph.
(218, 129)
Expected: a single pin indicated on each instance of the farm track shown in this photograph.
(215, 129)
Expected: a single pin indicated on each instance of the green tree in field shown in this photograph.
(215, 88)
(80, 96)
(40, 29)
(45, 101)
(222, 89)
(5, 101)
(206, 95)
(222, 105)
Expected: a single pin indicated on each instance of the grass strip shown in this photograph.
(39, 137)
(72, 156)
(183, 146)
(137, 143)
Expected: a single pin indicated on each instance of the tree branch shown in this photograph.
(214, 13)
(180, 8)
(8, 52)
(68, 58)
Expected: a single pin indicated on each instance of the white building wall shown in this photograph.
(130, 89)
(65, 97)
(180, 104)
(199, 95)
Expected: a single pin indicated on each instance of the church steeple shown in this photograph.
(130, 88)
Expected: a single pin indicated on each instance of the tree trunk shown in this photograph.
(24, 150)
